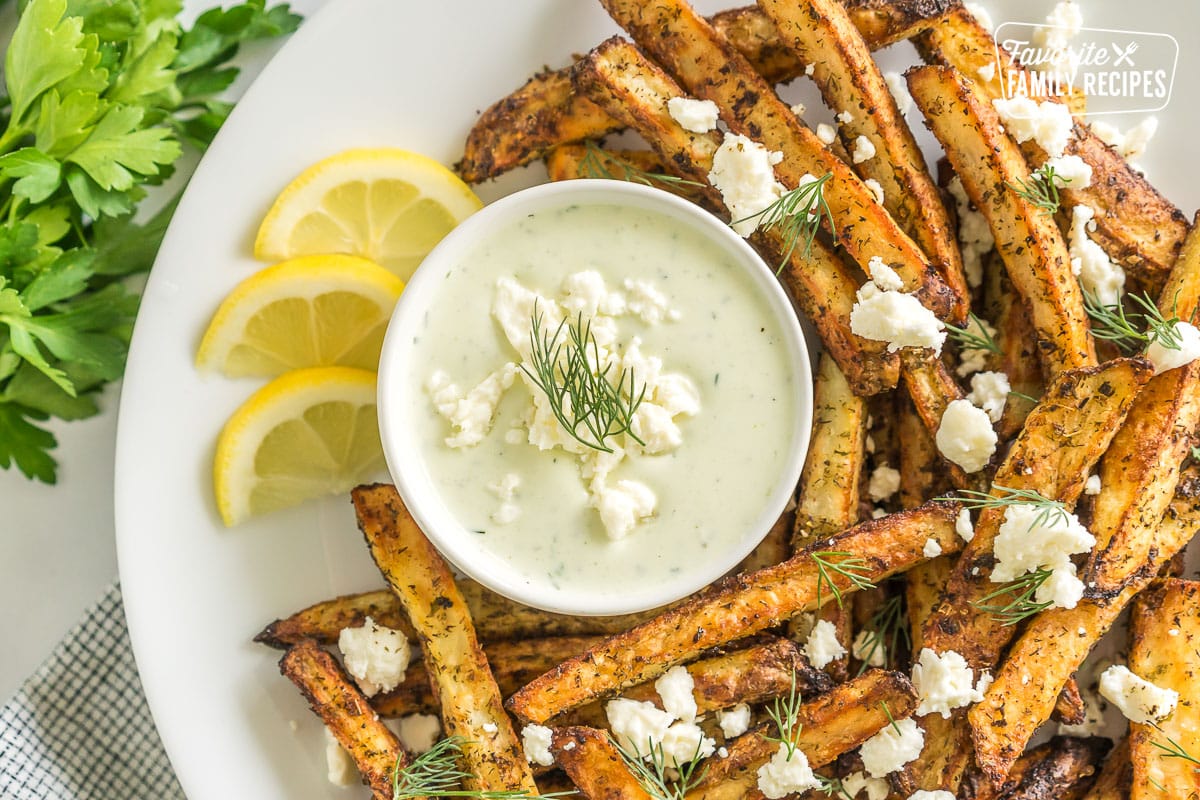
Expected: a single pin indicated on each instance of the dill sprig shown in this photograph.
(1173, 749)
(1132, 331)
(784, 712)
(435, 773)
(1021, 593)
(796, 214)
(1024, 396)
(653, 777)
(891, 719)
(1041, 189)
(968, 339)
(1048, 510)
(847, 565)
(886, 628)
(589, 405)
(599, 163)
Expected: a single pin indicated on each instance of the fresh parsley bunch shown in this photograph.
(101, 96)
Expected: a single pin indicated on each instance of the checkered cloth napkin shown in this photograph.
(79, 728)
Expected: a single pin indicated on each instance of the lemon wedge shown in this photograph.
(313, 311)
(388, 205)
(308, 433)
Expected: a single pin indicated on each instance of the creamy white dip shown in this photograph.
(669, 295)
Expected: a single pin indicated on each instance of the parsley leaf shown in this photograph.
(25, 444)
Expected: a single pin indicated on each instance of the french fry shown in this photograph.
(1116, 776)
(827, 726)
(545, 112)
(1059, 769)
(571, 161)
(822, 33)
(990, 164)
(467, 694)
(497, 618)
(1135, 224)
(346, 713)
(592, 761)
(1165, 650)
(707, 65)
(635, 90)
(1018, 358)
(739, 607)
(1054, 645)
(932, 389)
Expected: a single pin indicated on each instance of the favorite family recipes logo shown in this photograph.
(1116, 70)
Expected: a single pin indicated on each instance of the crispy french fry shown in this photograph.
(990, 164)
(1070, 708)
(571, 161)
(1115, 776)
(827, 726)
(497, 618)
(1053, 646)
(707, 65)
(1165, 650)
(822, 33)
(739, 607)
(1136, 225)
(932, 389)
(545, 112)
(1060, 769)
(1018, 358)
(635, 90)
(470, 701)
(346, 713)
(594, 764)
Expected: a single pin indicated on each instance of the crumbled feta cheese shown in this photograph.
(883, 275)
(1029, 540)
(536, 740)
(784, 775)
(989, 391)
(822, 645)
(586, 293)
(896, 318)
(892, 748)
(1062, 26)
(987, 72)
(945, 682)
(931, 794)
(1164, 358)
(868, 647)
(869, 443)
(974, 236)
(1070, 171)
(375, 656)
(855, 782)
(490, 728)
(734, 721)
(697, 116)
(1173, 632)
(974, 359)
(798, 109)
(1048, 123)
(418, 732)
(981, 16)
(884, 482)
(808, 70)
(339, 766)
(932, 548)
(876, 189)
(1092, 485)
(506, 489)
(1097, 273)
(675, 689)
(963, 526)
(743, 171)
(1131, 144)
(623, 506)
(965, 436)
(647, 302)
(845, 117)
(471, 413)
(878, 513)
(1138, 699)
(684, 741)
(899, 89)
(638, 725)
(826, 133)
(864, 150)
(723, 752)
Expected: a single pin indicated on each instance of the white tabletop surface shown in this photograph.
(57, 548)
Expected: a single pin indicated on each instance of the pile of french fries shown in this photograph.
(486, 661)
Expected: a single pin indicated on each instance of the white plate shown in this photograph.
(361, 73)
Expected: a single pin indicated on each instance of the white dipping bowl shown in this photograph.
(405, 424)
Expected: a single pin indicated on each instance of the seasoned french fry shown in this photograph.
(571, 161)
(635, 90)
(1165, 650)
(741, 606)
(990, 164)
(470, 701)
(1053, 646)
(822, 33)
(707, 65)
(1115, 776)
(545, 112)
(1060, 769)
(932, 389)
(497, 618)
(594, 764)
(346, 713)
(1018, 358)
(1136, 225)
